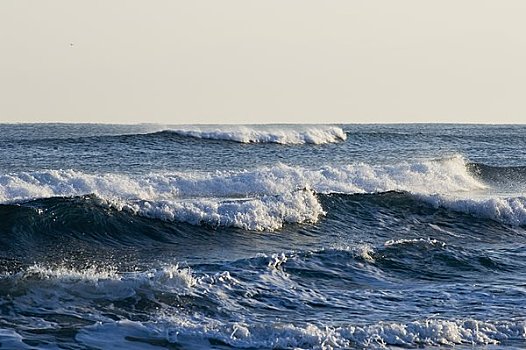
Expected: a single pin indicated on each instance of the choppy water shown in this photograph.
(259, 237)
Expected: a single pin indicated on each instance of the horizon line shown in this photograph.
(256, 123)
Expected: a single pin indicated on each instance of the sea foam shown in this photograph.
(60, 284)
(508, 210)
(104, 282)
(266, 198)
(425, 177)
(429, 332)
(265, 134)
(256, 214)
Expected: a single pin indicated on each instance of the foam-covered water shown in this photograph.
(310, 237)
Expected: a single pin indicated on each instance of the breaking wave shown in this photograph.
(267, 198)
(244, 134)
(508, 210)
(427, 177)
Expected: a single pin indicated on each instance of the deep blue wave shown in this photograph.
(78, 225)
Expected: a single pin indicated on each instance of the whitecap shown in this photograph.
(285, 135)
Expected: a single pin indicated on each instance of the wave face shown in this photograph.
(138, 237)
(316, 135)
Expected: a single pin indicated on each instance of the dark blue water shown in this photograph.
(260, 237)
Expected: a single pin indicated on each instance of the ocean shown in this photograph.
(262, 236)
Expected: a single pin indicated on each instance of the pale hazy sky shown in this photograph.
(244, 61)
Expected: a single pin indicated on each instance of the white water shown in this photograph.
(509, 210)
(258, 214)
(267, 198)
(64, 288)
(194, 333)
(267, 134)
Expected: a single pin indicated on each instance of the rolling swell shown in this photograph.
(92, 222)
(412, 254)
(285, 135)
(495, 174)
(83, 218)
(501, 211)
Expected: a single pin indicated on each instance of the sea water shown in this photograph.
(261, 237)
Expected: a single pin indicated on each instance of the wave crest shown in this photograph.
(106, 282)
(284, 135)
(266, 198)
(267, 213)
(508, 210)
(425, 177)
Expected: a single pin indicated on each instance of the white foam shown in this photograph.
(428, 177)
(426, 241)
(63, 273)
(266, 213)
(268, 134)
(277, 260)
(362, 251)
(67, 183)
(509, 210)
(57, 285)
(266, 198)
(435, 332)
(193, 333)
(105, 282)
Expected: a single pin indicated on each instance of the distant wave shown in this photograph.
(285, 135)
(266, 198)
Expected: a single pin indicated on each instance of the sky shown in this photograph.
(268, 61)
